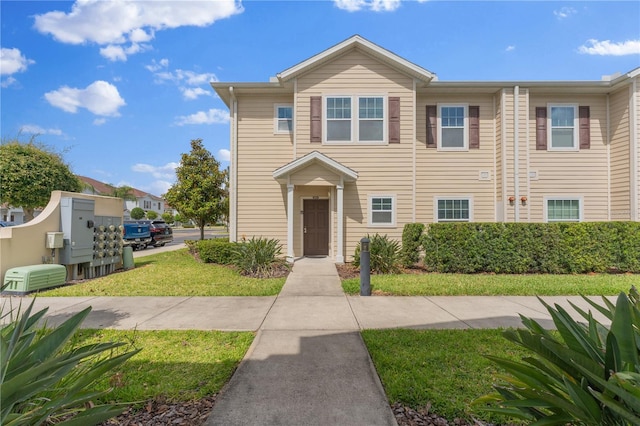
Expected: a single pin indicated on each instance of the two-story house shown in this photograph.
(357, 140)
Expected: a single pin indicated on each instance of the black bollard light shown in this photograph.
(365, 266)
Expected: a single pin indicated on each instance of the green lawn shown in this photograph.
(444, 368)
(176, 365)
(174, 273)
(495, 285)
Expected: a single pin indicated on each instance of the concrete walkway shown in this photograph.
(308, 364)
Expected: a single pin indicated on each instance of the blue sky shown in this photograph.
(121, 87)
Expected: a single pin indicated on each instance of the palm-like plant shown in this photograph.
(42, 380)
(586, 373)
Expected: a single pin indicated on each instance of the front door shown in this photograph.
(316, 227)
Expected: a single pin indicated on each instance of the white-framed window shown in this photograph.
(563, 127)
(453, 127)
(563, 209)
(453, 209)
(283, 118)
(147, 204)
(382, 210)
(355, 118)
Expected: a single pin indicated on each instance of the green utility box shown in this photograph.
(27, 279)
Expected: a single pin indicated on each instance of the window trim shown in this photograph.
(465, 142)
(578, 198)
(276, 120)
(576, 127)
(355, 119)
(394, 208)
(437, 198)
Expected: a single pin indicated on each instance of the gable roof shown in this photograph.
(100, 188)
(372, 49)
(315, 157)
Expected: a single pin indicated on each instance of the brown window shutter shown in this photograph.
(541, 128)
(432, 126)
(316, 118)
(394, 120)
(584, 116)
(474, 127)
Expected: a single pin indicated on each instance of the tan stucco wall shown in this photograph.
(24, 244)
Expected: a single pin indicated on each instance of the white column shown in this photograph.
(340, 233)
(290, 223)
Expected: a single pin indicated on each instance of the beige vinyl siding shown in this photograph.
(582, 173)
(455, 173)
(636, 113)
(507, 123)
(261, 200)
(524, 211)
(620, 158)
(383, 169)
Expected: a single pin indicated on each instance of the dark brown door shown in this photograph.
(316, 227)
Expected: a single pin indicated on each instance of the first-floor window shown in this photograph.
(381, 210)
(563, 210)
(453, 210)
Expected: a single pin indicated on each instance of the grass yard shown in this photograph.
(444, 368)
(435, 284)
(174, 273)
(176, 365)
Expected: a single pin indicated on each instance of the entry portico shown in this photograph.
(309, 180)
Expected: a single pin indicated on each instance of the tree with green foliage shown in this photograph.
(137, 213)
(178, 218)
(167, 217)
(152, 215)
(200, 192)
(30, 172)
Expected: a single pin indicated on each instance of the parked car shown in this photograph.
(161, 233)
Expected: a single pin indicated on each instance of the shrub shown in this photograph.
(384, 254)
(43, 381)
(137, 213)
(586, 373)
(258, 256)
(218, 250)
(532, 247)
(411, 242)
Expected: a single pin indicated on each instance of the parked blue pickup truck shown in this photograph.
(137, 235)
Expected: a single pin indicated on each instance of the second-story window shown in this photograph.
(453, 133)
(283, 119)
(338, 119)
(563, 126)
(355, 118)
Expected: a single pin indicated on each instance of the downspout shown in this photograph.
(516, 152)
(633, 133)
(608, 136)
(233, 170)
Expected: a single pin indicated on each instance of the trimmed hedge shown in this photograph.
(516, 248)
(411, 243)
(217, 250)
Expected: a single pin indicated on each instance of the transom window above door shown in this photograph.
(355, 118)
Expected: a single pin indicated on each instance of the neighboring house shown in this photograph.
(357, 140)
(143, 199)
(13, 214)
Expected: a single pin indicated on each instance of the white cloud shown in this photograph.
(609, 48)
(119, 53)
(188, 82)
(213, 116)
(193, 93)
(159, 187)
(510, 48)
(564, 12)
(99, 121)
(13, 61)
(100, 97)
(224, 155)
(374, 5)
(107, 23)
(38, 130)
(168, 171)
(8, 82)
